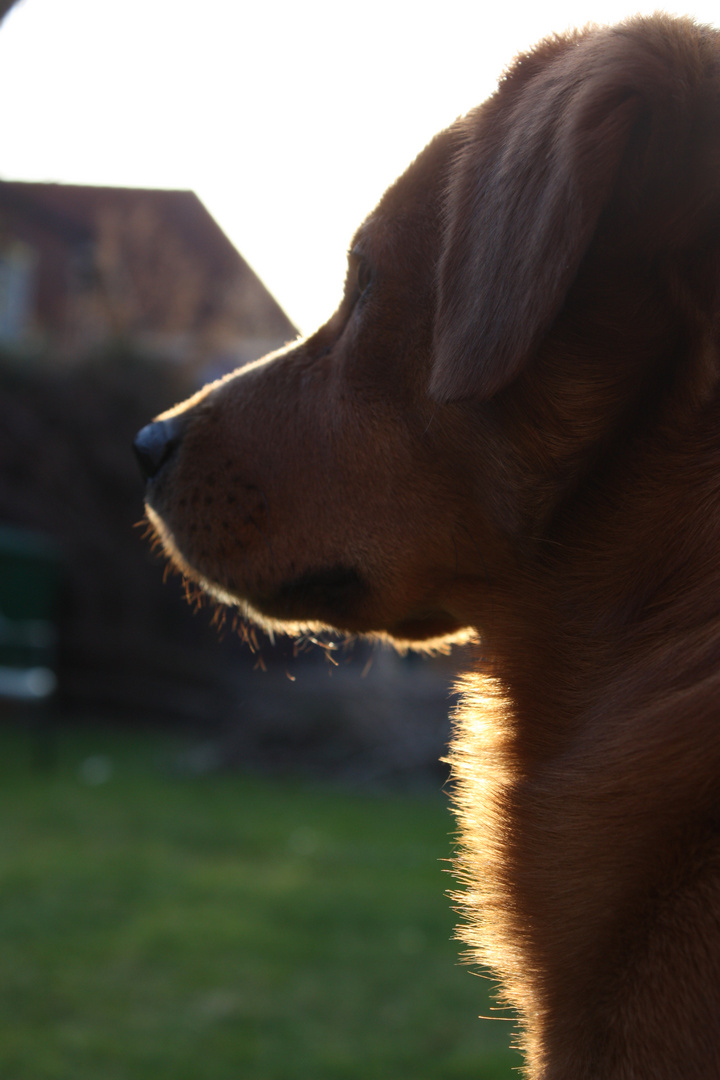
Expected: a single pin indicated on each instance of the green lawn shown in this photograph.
(225, 928)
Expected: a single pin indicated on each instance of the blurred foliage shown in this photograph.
(67, 469)
(156, 926)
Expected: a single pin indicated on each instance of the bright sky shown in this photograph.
(287, 117)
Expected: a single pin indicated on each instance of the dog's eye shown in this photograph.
(363, 277)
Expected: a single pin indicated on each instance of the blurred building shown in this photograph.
(84, 266)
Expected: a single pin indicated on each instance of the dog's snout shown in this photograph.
(156, 443)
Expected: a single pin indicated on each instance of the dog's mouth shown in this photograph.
(331, 594)
(336, 596)
(341, 598)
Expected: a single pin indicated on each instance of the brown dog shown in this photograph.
(512, 423)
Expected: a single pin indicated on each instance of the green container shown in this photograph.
(29, 587)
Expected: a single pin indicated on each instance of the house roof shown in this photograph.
(70, 212)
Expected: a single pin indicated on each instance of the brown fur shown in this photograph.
(515, 427)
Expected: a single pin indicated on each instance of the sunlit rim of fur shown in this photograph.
(185, 406)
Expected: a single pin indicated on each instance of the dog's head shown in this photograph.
(518, 293)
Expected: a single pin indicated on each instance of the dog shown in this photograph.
(511, 425)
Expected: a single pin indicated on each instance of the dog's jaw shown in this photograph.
(337, 597)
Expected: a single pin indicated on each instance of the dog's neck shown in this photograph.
(573, 728)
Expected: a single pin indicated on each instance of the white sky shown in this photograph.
(287, 117)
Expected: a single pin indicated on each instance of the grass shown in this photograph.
(218, 928)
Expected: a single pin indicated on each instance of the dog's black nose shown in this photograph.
(156, 443)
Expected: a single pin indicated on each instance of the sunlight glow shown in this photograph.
(287, 119)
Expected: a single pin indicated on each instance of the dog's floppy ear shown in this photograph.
(536, 168)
